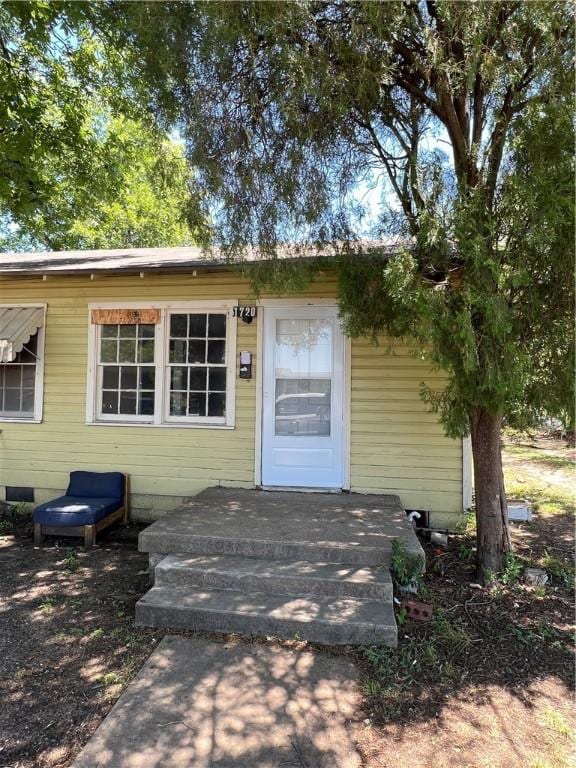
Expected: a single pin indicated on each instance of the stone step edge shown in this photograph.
(173, 592)
(296, 583)
(168, 615)
(334, 552)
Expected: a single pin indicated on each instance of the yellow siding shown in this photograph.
(396, 446)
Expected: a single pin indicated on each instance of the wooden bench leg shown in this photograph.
(37, 534)
(89, 535)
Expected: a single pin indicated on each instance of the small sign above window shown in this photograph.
(125, 316)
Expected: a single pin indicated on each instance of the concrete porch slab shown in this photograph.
(203, 704)
(353, 528)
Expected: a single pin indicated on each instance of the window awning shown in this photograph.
(17, 326)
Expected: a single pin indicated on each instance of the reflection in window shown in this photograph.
(197, 360)
(127, 369)
(303, 406)
(303, 347)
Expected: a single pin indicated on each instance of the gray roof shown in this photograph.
(154, 259)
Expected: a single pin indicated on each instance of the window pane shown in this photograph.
(216, 351)
(197, 404)
(28, 375)
(108, 351)
(109, 402)
(127, 351)
(11, 399)
(146, 331)
(217, 379)
(146, 351)
(197, 351)
(127, 331)
(197, 325)
(109, 331)
(128, 377)
(128, 403)
(13, 376)
(28, 400)
(303, 406)
(198, 378)
(216, 404)
(217, 326)
(178, 403)
(177, 351)
(147, 377)
(179, 325)
(179, 377)
(303, 348)
(146, 403)
(110, 377)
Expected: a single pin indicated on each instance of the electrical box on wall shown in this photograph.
(245, 365)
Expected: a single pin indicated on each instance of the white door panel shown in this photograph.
(302, 399)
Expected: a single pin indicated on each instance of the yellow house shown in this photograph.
(161, 364)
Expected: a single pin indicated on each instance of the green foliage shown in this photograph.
(82, 164)
(71, 561)
(401, 616)
(6, 527)
(513, 567)
(405, 566)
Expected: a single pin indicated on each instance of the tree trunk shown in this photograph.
(492, 534)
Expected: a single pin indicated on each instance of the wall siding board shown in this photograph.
(395, 445)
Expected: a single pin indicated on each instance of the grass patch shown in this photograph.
(396, 675)
(6, 527)
(546, 499)
(554, 721)
(552, 459)
(71, 561)
(48, 605)
(560, 570)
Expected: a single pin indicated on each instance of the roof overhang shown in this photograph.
(183, 259)
(17, 326)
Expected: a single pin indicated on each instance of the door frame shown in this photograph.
(346, 386)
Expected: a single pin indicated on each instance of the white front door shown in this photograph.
(302, 419)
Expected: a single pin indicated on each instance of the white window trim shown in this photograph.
(36, 417)
(161, 418)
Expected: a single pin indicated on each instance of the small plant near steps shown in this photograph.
(406, 567)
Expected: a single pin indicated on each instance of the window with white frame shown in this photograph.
(21, 373)
(126, 371)
(197, 365)
(180, 370)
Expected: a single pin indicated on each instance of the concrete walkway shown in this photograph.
(203, 704)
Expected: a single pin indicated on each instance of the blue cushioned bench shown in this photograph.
(93, 501)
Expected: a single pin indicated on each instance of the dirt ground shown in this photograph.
(487, 684)
(67, 641)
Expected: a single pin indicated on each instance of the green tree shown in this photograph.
(138, 194)
(286, 107)
(81, 164)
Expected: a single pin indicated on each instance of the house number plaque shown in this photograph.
(247, 314)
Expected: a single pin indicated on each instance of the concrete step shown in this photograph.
(268, 549)
(328, 528)
(274, 576)
(338, 621)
